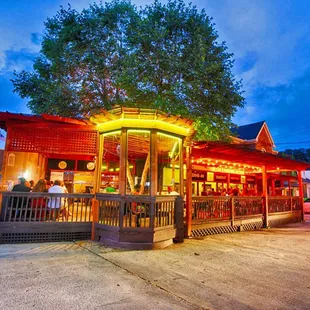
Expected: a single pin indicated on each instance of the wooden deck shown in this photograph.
(133, 221)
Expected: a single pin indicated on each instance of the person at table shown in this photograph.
(39, 203)
(174, 191)
(56, 204)
(20, 204)
(21, 186)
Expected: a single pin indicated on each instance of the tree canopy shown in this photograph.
(298, 154)
(163, 56)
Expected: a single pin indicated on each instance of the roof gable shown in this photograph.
(249, 131)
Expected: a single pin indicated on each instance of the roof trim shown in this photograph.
(240, 153)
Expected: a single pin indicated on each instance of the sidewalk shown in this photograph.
(268, 269)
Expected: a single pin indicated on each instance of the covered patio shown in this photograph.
(261, 203)
(148, 182)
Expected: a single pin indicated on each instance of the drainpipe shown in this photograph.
(265, 197)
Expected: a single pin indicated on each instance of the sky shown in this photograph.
(269, 39)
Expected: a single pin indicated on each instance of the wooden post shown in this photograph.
(265, 196)
(301, 195)
(232, 210)
(5, 156)
(188, 229)
(95, 209)
(96, 189)
(97, 177)
(179, 223)
(154, 164)
(181, 162)
(122, 163)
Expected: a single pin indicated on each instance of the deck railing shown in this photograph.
(244, 206)
(284, 204)
(211, 207)
(218, 207)
(136, 211)
(46, 207)
(132, 211)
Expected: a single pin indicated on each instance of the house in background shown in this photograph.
(306, 183)
(256, 136)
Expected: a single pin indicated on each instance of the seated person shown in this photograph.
(56, 203)
(21, 186)
(20, 204)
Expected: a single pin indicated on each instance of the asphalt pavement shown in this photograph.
(265, 269)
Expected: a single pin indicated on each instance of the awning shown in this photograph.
(239, 153)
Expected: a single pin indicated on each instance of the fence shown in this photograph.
(221, 208)
(29, 217)
(218, 207)
(46, 207)
(136, 211)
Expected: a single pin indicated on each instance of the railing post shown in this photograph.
(301, 196)
(121, 212)
(152, 211)
(265, 197)
(95, 210)
(232, 211)
(179, 223)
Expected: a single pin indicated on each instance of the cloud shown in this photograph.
(276, 32)
(12, 102)
(36, 38)
(286, 109)
(18, 60)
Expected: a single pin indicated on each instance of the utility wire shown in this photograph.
(297, 142)
(291, 132)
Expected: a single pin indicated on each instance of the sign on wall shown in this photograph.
(198, 175)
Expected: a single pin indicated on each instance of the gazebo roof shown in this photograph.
(142, 118)
(239, 153)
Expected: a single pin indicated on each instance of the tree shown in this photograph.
(298, 154)
(163, 56)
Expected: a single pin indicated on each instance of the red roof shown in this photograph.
(240, 153)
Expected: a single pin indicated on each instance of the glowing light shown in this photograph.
(112, 133)
(142, 123)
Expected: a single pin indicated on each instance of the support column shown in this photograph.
(122, 163)
(154, 164)
(265, 196)
(96, 189)
(188, 228)
(97, 181)
(5, 157)
(301, 194)
(181, 190)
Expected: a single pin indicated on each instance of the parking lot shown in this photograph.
(266, 269)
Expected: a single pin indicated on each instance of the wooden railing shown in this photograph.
(284, 204)
(137, 211)
(211, 207)
(218, 207)
(243, 206)
(132, 211)
(42, 207)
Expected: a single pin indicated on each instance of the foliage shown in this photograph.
(163, 56)
(298, 154)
